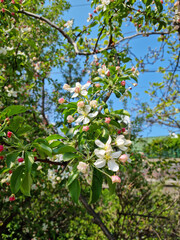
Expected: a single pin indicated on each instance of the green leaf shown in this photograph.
(29, 160)
(75, 189)
(68, 156)
(11, 157)
(64, 149)
(55, 137)
(2, 134)
(16, 179)
(24, 129)
(43, 148)
(72, 177)
(26, 184)
(13, 110)
(96, 186)
(148, 2)
(97, 79)
(16, 123)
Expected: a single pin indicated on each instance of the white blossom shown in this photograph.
(105, 154)
(79, 89)
(68, 24)
(103, 71)
(85, 114)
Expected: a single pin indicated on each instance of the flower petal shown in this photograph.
(80, 119)
(116, 154)
(109, 140)
(86, 85)
(99, 153)
(100, 163)
(74, 95)
(99, 143)
(84, 92)
(87, 108)
(113, 166)
(86, 120)
(94, 114)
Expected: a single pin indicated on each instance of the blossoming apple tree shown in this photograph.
(93, 143)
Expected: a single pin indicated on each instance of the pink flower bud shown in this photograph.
(1, 148)
(20, 159)
(9, 134)
(61, 100)
(12, 13)
(85, 128)
(3, 10)
(133, 69)
(117, 68)
(123, 83)
(12, 198)
(123, 129)
(13, 1)
(1, 157)
(82, 167)
(2, 1)
(119, 131)
(10, 171)
(107, 120)
(115, 179)
(70, 119)
(123, 158)
(97, 85)
(80, 104)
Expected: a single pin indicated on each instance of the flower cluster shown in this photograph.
(106, 154)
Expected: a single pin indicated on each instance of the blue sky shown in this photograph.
(79, 12)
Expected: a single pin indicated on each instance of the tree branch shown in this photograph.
(97, 219)
(73, 43)
(70, 40)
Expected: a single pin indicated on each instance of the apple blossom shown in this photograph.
(79, 89)
(103, 71)
(107, 120)
(80, 104)
(70, 119)
(122, 143)
(61, 100)
(94, 103)
(85, 114)
(90, 17)
(97, 85)
(105, 154)
(123, 83)
(123, 158)
(66, 87)
(85, 128)
(82, 167)
(115, 179)
(68, 24)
